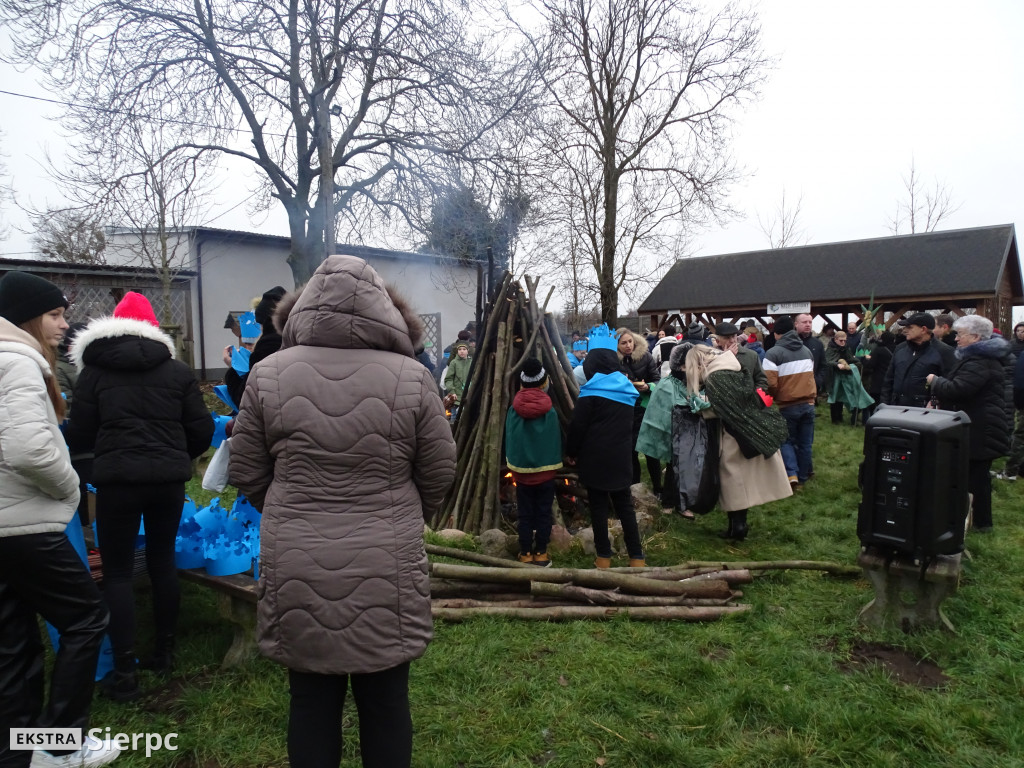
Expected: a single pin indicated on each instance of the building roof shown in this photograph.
(53, 267)
(347, 249)
(955, 263)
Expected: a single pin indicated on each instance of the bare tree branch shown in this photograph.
(782, 226)
(923, 209)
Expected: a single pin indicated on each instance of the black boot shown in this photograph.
(728, 532)
(739, 524)
(123, 683)
(853, 417)
(162, 660)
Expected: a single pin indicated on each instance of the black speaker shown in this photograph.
(915, 481)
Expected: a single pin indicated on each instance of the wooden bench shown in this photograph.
(236, 604)
(908, 595)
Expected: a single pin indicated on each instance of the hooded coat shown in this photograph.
(976, 385)
(341, 441)
(745, 482)
(600, 436)
(38, 487)
(136, 407)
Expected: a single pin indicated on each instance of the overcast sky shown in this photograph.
(859, 90)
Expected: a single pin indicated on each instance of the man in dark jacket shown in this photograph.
(906, 380)
(805, 330)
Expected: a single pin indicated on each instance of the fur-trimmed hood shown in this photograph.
(355, 303)
(994, 347)
(639, 347)
(677, 358)
(112, 342)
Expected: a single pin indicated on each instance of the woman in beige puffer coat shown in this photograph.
(341, 441)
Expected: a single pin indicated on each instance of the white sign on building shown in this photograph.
(789, 308)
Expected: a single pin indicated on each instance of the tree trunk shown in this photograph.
(575, 612)
(636, 585)
(778, 565)
(457, 588)
(474, 557)
(604, 597)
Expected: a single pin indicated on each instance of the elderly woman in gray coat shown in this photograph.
(341, 441)
(977, 385)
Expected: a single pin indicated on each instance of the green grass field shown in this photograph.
(785, 684)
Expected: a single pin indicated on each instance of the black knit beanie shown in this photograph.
(533, 374)
(24, 296)
(265, 309)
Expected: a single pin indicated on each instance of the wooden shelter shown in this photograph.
(966, 269)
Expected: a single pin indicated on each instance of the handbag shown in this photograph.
(216, 476)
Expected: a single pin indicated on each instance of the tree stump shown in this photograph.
(907, 595)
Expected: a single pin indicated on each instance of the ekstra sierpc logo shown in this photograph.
(63, 739)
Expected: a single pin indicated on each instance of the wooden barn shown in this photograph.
(975, 269)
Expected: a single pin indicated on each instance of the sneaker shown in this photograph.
(542, 560)
(525, 557)
(92, 755)
(1004, 476)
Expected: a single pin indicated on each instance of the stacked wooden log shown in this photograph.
(521, 591)
(693, 591)
(516, 329)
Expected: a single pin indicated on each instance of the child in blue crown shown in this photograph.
(600, 444)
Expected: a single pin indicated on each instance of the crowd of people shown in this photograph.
(344, 445)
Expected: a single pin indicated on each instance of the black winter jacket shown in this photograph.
(904, 382)
(600, 436)
(817, 350)
(641, 369)
(875, 368)
(1018, 383)
(136, 407)
(976, 385)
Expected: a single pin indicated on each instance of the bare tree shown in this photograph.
(6, 192)
(923, 209)
(69, 235)
(782, 226)
(341, 104)
(639, 93)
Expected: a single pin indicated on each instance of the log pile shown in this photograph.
(564, 594)
(517, 328)
(692, 591)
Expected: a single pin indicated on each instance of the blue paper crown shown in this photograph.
(579, 346)
(602, 337)
(248, 328)
(222, 541)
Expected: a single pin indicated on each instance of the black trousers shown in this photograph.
(385, 723)
(533, 506)
(979, 483)
(42, 574)
(119, 508)
(622, 501)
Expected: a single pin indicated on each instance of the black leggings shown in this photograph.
(385, 724)
(119, 509)
(622, 501)
(41, 574)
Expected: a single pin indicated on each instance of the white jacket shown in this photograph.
(38, 487)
